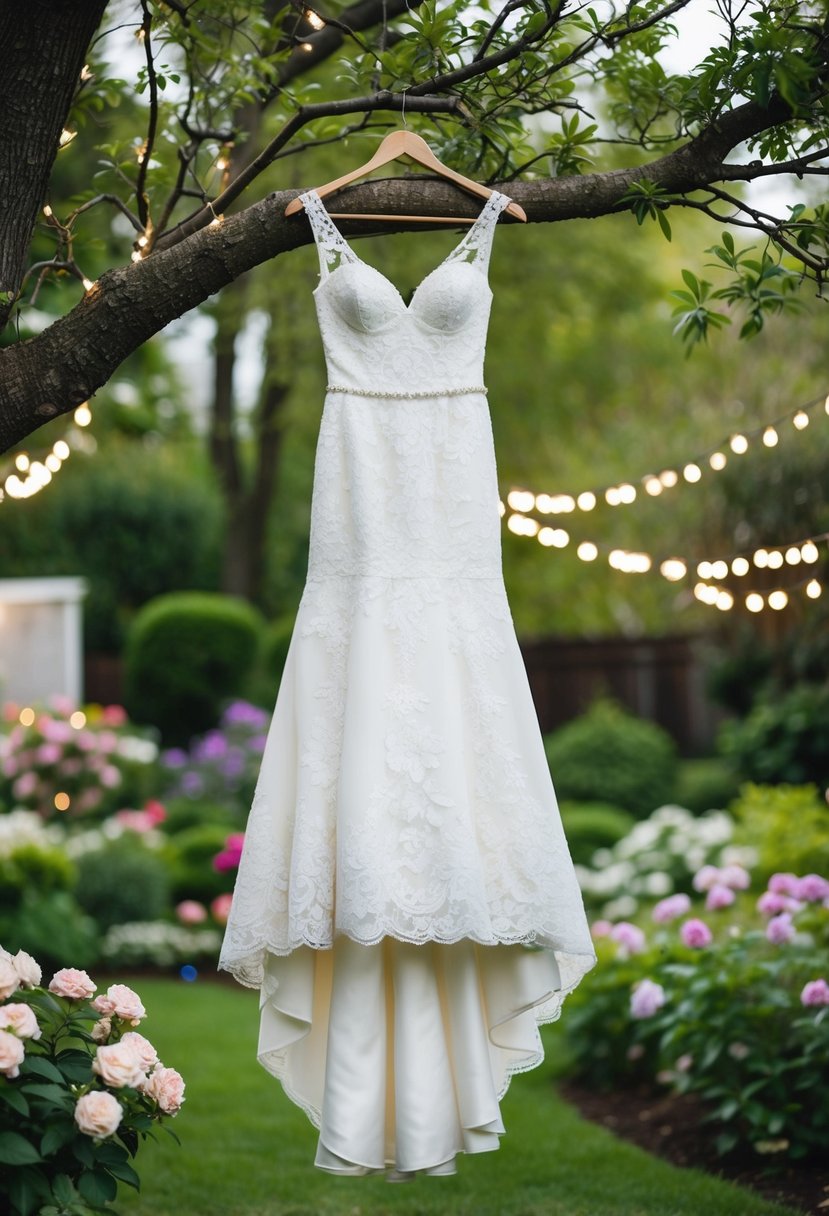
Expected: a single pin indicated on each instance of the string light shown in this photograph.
(314, 19)
(88, 285)
(770, 437)
(83, 415)
(800, 420)
(738, 444)
(33, 475)
(66, 138)
(47, 211)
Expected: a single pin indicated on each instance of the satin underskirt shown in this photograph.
(399, 1053)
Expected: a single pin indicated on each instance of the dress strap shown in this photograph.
(476, 245)
(332, 247)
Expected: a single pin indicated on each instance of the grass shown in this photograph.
(248, 1151)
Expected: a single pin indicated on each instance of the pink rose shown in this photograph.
(48, 753)
(143, 1048)
(25, 785)
(719, 896)
(812, 888)
(630, 937)
(646, 997)
(601, 928)
(11, 1054)
(695, 933)
(27, 969)
(816, 992)
(114, 715)
(220, 908)
(110, 777)
(21, 1019)
(155, 810)
(166, 1087)
(102, 1030)
(98, 1113)
(669, 908)
(780, 929)
(118, 1064)
(783, 883)
(191, 912)
(771, 902)
(122, 1002)
(735, 876)
(72, 983)
(705, 878)
(9, 979)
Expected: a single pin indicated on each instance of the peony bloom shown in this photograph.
(630, 937)
(719, 896)
(9, 979)
(122, 1002)
(191, 912)
(647, 996)
(812, 888)
(11, 1054)
(735, 876)
(166, 1087)
(27, 969)
(816, 992)
(220, 908)
(102, 1030)
(705, 878)
(143, 1048)
(695, 933)
(118, 1064)
(780, 929)
(669, 908)
(21, 1019)
(71, 982)
(601, 928)
(98, 1113)
(783, 883)
(772, 902)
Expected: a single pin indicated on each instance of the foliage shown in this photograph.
(189, 855)
(705, 784)
(67, 762)
(158, 944)
(222, 766)
(608, 755)
(785, 737)
(124, 881)
(592, 825)
(729, 1020)
(186, 654)
(67, 1134)
(788, 826)
(659, 856)
(52, 925)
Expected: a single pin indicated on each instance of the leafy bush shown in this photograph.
(593, 825)
(787, 825)
(186, 654)
(785, 737)
(123, 882)
(705, 785)
(33, 866)
(609, 756)
(189, 856)
(158, 944)
(223, 765)
(53, 926)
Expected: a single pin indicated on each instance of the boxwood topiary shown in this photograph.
(123, 882)
(593, 825)
(608, 755)
(186, 654)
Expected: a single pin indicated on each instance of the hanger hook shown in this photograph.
(403, 110)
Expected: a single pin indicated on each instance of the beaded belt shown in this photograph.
(376, 392)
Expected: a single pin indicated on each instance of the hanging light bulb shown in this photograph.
(754, 602)
(724, 600)
(587, 551)
(669, 478)
(718, 461)
(770, 437)
(83, 415)
(738, 444)
(692, 472)
(740, 566)
(586, 500)
(521, 500)
(808, 551)
(778, 600)
(800, 420)
(627, 493)
(653, 485)
(775, 559)
(813, 589)
(761, 559)
(793, 555)
(673, 569)
(719, 569)
(612, 496)
(704, 569)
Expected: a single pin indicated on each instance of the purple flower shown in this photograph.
(212, 747)
(192, 783)
(670, 908)
(816, 992)
(242, 713)
(174, 757)
(780, 929)
(772, 902)
(705, 878)
(736, 877)
(695, 933)
(719, 896)
(646, 997)
(256, 743)
(233, 764)
(630, 937)
(812, 888)
(783, 883)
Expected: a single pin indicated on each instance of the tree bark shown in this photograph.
(44, 45)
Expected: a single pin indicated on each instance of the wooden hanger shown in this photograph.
(395, 145)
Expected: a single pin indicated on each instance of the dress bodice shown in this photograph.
(373, 340)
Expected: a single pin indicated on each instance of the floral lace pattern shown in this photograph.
(404, 790)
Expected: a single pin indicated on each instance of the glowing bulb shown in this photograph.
(770, 437)
(61, 449)
(719, 570)
(778, 600)
(653, 486)
(66, 137)
(724, 601)
(740, 566)
(77, 720)
(761, 559)
(521, 500)
(48, 212)
(800, 420)
(754, 602)
(704, 570)
(669, 478)
(692, 472)
(314, 19)
(826, 405)
(216, 221)
(793, 555)
(587, 551)
(544, 504)
(627, 493)
(718, 461)
(545, 536)
(673, 569)
(26, 716)
(142, 242)
(221, 164)
(566, 503)
(306, 46)
(83, 415)
(52, 462)
(502, 510)
(813, 589)
(612, 496)
(586, 501)
(88, 284)
(809, 552)
(21, 460)
(136, 255)
(775, 559)
(738, 444)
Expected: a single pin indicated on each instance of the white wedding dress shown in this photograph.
(406, 902)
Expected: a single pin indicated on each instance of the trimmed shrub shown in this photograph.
(189, 855)
(186, 654)
(788, 826)
(785, 738)
(123, 882)
(593, 825)
(610, 756)
(705, 785)
(53, 928)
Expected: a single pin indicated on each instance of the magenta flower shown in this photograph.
(772, 902)
(705, 878)
(719, 896)
(812, 888)
(191, 912)
(220, 908)
(629, 937)
(736, 877)
(670, 908)
(646, 998)
(816, 992)
(695, 933)
(780, 929)
(783, 883)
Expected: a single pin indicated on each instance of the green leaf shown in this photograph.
(97, 1186)
(126, 1173)
(56, 1136)
(14, 1098)
(63, 1190)
(664, 223)
(43, 1068)
(27, 1189)
(53, 1093)
(17, 1150)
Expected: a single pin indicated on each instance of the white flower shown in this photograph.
(27, 969)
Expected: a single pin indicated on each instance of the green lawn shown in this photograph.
(248, 1151)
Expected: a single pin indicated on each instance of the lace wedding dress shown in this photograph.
(406, 902)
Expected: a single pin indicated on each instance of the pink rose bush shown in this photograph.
(66, 1053)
